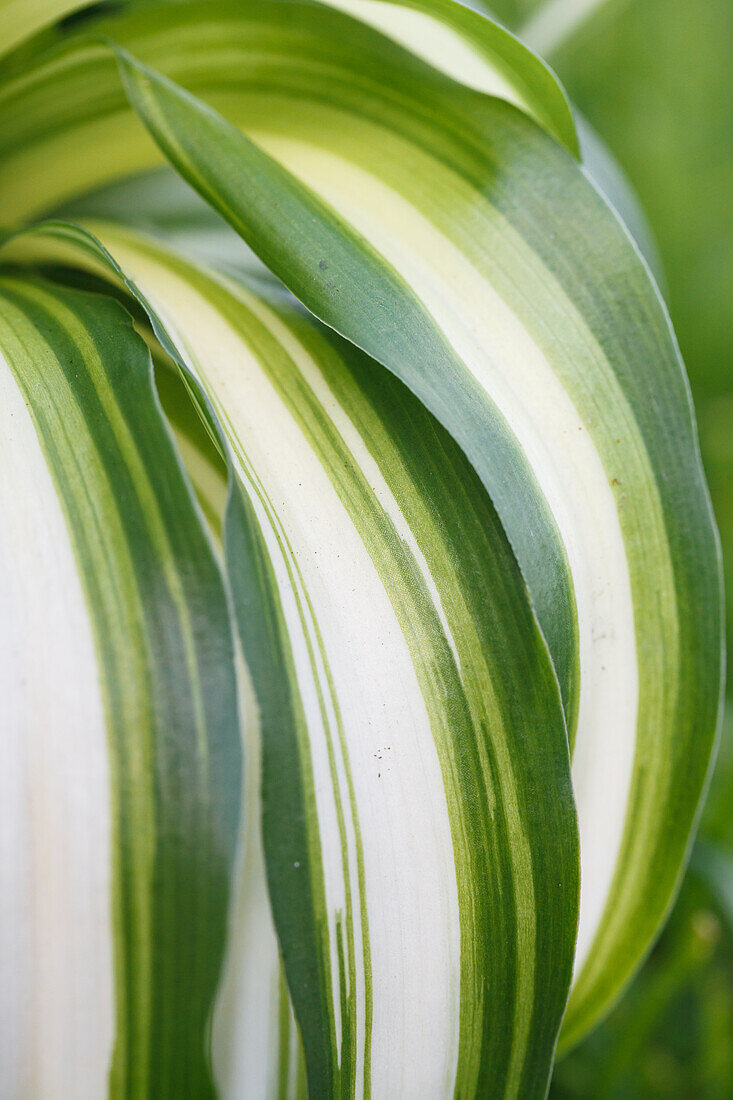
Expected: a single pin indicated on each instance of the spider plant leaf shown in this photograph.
(445, 234)
(404, 692)
(475, 50)
(590, 413)
(121, 753)
(226, 47)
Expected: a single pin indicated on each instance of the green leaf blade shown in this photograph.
(443, 599)
(442, 232)
(163, 650)
(637, 874)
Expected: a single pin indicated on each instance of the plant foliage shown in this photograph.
(401, 506)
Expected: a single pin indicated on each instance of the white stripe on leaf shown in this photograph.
(56, 993)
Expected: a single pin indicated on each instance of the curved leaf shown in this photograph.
(404, 692)
(256, 1048)
(444, 233)
(120, 740)
(650, 670)
(473, 49)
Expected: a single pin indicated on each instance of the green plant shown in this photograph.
(407, 502)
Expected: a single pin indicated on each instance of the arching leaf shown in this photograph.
(121, 752)
(404, 692)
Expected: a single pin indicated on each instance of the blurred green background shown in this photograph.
(655, 79)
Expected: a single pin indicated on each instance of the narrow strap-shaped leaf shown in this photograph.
(445, 234)
(122, 745)
(630, 852)
(405, 693)
(380, 311)
(607, 397)
(395, 520)
(455, 39)
(236, 43)
(475, 50)
(256, 1047)
(652, 676)
(371, 72)
(413, 343)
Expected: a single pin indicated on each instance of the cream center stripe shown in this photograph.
(501, 354)
(435, 42)
(56, 979)
(413, 916)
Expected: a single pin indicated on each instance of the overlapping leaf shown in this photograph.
(405, 692)
(121, 754)
(442, 232)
